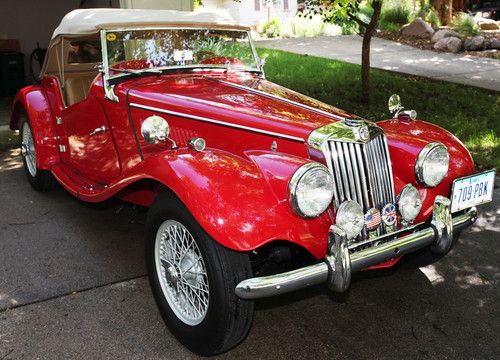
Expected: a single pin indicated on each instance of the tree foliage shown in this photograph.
(348, 12)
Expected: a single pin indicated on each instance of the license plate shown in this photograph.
(472, 190)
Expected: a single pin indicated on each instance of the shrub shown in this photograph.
(271, 28)
(432, 17)
(399, 15)
(305, 26)
(388, 26)
(465, 24)
(392, 19)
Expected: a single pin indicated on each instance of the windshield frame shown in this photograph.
(104, 50)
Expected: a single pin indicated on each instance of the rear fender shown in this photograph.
(241, 202)
(33, 101)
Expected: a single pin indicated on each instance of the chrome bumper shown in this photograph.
(338, 265)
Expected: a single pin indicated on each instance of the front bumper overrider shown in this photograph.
(337, 267)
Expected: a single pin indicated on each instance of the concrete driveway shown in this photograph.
(73, 286)
(389, 55)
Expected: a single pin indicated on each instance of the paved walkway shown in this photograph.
(388, 55)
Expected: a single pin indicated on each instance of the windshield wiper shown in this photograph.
(132, 73)
(159, 71)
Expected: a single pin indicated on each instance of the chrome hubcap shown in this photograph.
(28, 149)
(181, 272)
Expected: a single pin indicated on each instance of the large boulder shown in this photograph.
(444, 33)
(418, 28)
(495, 44)
(477, 43)
(450, 44)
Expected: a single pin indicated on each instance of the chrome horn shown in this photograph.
(397, 109)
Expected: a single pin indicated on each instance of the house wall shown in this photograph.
(186, 5)
(33, 21)
(245, 12)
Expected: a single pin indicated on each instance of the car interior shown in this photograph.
(75, 62)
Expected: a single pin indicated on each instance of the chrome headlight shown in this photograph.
(311, 190)
(350, 218)
(409, 203)
(432, 164)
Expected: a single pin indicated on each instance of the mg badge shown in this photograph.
(372, 219)
(361, 133)
(364, 133)
(389, 214)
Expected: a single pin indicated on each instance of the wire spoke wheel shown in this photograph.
(28, 149)
(182, 272)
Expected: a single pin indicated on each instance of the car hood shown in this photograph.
(244, 100)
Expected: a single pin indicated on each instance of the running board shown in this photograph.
(76, 184)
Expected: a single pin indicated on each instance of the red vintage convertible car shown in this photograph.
(172, 111)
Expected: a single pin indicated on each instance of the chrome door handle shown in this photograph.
(98, 130)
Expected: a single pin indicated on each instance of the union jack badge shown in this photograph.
(372, 219)
(389, 214)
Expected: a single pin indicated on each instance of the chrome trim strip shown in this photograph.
(342, 131)
(265, 286)
(291, 102)
(364, 184)
(218, 122)
(357, 176)
(389, 166)
(354, 246)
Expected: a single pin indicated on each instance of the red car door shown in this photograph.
(90, 149)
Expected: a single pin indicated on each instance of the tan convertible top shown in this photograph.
(90, 21)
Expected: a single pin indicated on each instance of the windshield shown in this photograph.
(165, 48)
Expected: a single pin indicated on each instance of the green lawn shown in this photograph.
(472, 114)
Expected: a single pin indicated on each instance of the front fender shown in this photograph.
(240, 202)
(406, 140)
(33, 100)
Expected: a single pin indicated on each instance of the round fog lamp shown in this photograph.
(409, 203)
(350, 218)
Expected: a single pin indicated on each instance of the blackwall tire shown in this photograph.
(40, 180)
(215, 319)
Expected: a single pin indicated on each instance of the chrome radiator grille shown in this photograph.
(362, 172)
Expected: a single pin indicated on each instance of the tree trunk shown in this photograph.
(365, 53)
(445, 10)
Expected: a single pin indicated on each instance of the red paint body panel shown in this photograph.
(92, 156)
(34, 101)
(236, 188)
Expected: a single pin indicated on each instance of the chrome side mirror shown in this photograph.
(155, 129)
(394, 104)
